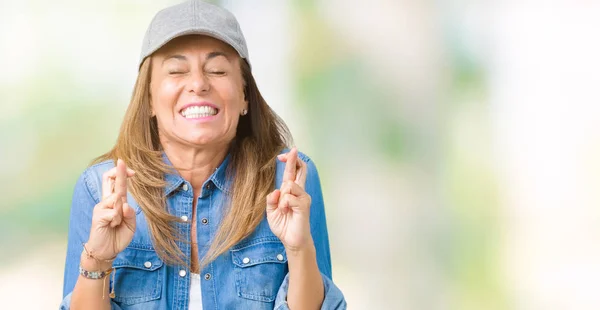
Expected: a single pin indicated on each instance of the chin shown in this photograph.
(203, 138)
(200, 141)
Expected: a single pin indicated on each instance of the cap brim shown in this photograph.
(186, 32)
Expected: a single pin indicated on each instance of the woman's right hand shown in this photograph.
(113, 220)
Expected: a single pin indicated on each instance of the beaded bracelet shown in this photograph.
(98, 275)
(94, 275)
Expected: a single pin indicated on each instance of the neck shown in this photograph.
(195, 165)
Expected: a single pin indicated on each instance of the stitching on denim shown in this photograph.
(212, 272)
(243, 245)
(304, 157)
(88, 184)
(218, 183)
(152, 296)
(140, 246)
(109, 162)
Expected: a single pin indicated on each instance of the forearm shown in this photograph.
(90, 293)
(306, 290)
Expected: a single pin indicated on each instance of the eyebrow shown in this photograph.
(216, 54)
(210, 55)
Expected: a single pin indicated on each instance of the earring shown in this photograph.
(244, 111)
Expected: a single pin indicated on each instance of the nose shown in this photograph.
(198, 82)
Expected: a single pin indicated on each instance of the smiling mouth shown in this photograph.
(199, 111)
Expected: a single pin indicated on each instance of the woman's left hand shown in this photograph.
(288, 208)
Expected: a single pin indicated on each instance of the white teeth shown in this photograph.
(198, 111)
(197, 115)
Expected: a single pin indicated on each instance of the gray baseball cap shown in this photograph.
(193, 17)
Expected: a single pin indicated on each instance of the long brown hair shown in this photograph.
(260, 136)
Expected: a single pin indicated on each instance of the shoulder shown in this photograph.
(100, 168)
(304, 157)
(91, 178)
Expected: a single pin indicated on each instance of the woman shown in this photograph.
(193, 208)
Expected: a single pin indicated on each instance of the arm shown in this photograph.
(308, 284)
(306, 289)
(106, 227)
(80, 220)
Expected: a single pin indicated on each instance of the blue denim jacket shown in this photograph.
(253, 274)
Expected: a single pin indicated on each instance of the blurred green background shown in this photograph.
(457, 141)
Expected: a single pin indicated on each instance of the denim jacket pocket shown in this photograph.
(260, 266)
(138, 277)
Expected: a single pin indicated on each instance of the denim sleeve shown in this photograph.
(82, 205)
(334, 299)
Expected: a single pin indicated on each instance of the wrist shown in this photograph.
(301, 245)
(91, 264)
(302, 261)
(307, 250)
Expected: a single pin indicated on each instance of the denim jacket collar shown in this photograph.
(174, 180)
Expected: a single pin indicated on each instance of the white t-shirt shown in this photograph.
(195, 292)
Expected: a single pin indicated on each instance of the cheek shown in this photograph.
(165, 94)
(232, 94)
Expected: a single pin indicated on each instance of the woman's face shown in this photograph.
(197, 91)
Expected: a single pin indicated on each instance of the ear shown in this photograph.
(245, 104)
(152, 112)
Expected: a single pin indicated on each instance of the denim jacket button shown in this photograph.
(279, 257)
(246, 260)
(185, 187)
(184, 218)
(182, 273)
(207, 276)
(204, 221)
(147, 264)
